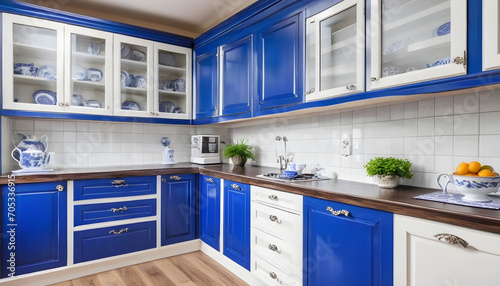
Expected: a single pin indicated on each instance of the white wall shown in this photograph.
(434, 134)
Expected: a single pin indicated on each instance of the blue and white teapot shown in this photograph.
(30, 153)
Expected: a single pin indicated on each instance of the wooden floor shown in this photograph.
(192, 269)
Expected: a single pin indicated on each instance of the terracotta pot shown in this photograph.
(386, 181)
(239, 161)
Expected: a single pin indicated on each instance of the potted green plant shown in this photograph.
(239, 152)
(387, 171)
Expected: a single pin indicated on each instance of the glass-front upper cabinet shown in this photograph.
(133, 74)
(417, 40)
(89, 80)
(32, 64)
(335, 57)
(491, 34)
(172, 81)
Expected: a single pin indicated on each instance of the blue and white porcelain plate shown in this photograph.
(167, 59)
(49, 72)
(79, 73)
(131, 105)
(444, 29)
(43, 96)
(94, 74)
(166, 106)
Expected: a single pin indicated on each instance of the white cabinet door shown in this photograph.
(420, 258)
(89, 77)
(32, 64)
(133, 76)
(335, 51)
(172, 81)
(491, 33)
(414, 41)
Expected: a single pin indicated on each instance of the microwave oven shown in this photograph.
(205, 149)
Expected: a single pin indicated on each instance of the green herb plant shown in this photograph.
(240, 148)
(389, 166)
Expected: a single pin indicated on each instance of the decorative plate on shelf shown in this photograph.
(49, 72)
(167, 59)
(77, 100)
(166, 106)
(444, 29)
(93, 103)
(131, 105)
(43, 96)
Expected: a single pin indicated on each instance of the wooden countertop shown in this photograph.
(398, 201)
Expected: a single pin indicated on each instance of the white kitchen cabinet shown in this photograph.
(88, 61)
(491, 33)
(411, 41)
(335, 51)
(172, 81)
(470, 257)
(38, 45)
(133, 76)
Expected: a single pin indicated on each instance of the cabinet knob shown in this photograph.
(118, 183)
(119, 210)
(236, 187)
(310, 91)
(118, 232)
(67, 104)
(273, 247)
(337, 213)
(273, 275)
(350, 87)
(177, 178)
(164, 180)
(152, 113)
(373, 78)
(274, 218)
(273, 197)
(210, 180)
(61, 104)
(451, 239)
(60, 188)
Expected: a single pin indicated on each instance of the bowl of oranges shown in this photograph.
(473, 180)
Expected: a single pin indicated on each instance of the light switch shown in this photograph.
(346, 146)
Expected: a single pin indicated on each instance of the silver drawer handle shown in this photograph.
(451, 239)
(274, 218)
(273, 247)
(236, 187)
(119, 210)
(273, 197)
(273, 275)
(60, 188)
(177, 178)
(119, 183)
(210, 180)
(337, 213)
(118, 232)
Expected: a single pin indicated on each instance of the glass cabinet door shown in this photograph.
(89, 79)
(133, 74)
(172, 81)
(335, 51)
(491, 35)
(417, 40)
(32, 64)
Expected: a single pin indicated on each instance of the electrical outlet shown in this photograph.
(346, 145)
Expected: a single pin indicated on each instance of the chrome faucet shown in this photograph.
(283, 160)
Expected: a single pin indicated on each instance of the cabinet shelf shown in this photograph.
(34, 80)
(89, 84)
(172, 93)
(419, 18)
(417, 52)
(88, 58)
(34, 51)
(163, 68)
(344, 43)
(134, 90)
(133, 64)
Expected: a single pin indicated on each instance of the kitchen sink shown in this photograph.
(299, 178)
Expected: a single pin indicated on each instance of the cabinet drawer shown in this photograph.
(94, 213)
(117, 187)
(283, 200)
(285, 225)
(114, 240)
(270, 275)
(282, 254)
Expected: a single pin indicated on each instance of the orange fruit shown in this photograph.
(486, 173)
(474, 167)
(471, 174)
(463, 168)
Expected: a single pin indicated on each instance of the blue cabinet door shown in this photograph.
(177, 208)
(206, 85)
(209, 211)
(349, 249)
(280, 58)
(237, 223)
(237, 76)
(34, 227)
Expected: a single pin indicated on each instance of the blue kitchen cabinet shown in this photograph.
(237, 222)
(209, 211)
(237, 76)
(346, 245)
(178, 208)
(206, 88)
(280, 64)
(34, 227)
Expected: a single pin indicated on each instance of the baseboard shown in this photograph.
(96, 266)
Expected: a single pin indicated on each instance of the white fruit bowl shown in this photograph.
(474, 189)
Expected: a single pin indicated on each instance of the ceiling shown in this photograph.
(184, 17)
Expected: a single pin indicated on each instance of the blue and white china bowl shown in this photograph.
(288, 174)
(77, 100)
(440, 62)
(444, 29)
(177, 109)
(136, 55)
(94, 48)
(474, 189)
(300, 168)
(166, 106)
(93, 103)
(43, 96)
(25, 69)
(167, 59)
(79, 73)
(94, 74)
(49, 72)
(130, 105)
(32, 158)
